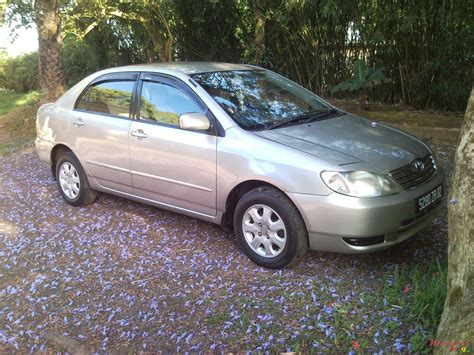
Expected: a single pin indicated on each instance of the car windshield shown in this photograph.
(259, 99)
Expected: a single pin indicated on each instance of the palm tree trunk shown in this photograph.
(49, 49)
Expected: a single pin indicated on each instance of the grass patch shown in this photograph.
(420, 292)
(20, 122)
(17, 126)
(217, 318)
(10, 147)
(407, 306)
(10, 100)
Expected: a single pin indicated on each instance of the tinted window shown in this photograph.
(111, 97)
(83, 101)
(259, 98)
(164, 103)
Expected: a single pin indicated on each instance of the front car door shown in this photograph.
(100, 125)
(171, 166)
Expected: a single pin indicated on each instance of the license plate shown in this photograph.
(429, 199)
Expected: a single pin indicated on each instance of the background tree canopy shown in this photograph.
(426, 46)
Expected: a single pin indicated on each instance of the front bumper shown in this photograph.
(335, 219)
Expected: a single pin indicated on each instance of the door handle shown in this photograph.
(138, 134)
(78, 123)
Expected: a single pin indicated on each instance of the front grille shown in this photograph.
(416, 173)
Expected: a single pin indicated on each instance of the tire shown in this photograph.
(72, 181)
(269, 228)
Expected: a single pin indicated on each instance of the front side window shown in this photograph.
(258, 99)
(110, 97)
(164, 103)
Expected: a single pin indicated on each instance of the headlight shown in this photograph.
(359, 183)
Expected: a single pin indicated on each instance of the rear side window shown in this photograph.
(164, 103)
(110, 98)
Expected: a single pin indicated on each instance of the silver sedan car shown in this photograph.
(245, 148)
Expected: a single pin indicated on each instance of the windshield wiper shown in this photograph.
(308, 117)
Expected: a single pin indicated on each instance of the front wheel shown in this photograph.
(269, 228)
(72, 181)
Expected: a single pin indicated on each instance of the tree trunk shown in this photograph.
(167, 52)
(162, 43)
(458, 315)
(259, 36)
(49, 49)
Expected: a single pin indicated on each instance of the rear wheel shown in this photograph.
(269, 228)
(72, 181)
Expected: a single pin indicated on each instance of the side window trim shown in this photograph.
(179, 84)
(126, 76)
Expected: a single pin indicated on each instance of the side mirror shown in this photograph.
(194, 122)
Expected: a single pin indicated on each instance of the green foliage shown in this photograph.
(3, 60)
(3, 57)
(79, 60)
(9, 100)
(205, 33)
(20, 73)
(363, 77)
(426, 46)
(19, 12)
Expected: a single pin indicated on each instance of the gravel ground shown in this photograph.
(123, 276)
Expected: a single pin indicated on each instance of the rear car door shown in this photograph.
(100, 124)
(169, 165)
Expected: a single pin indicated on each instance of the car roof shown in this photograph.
(188, 67)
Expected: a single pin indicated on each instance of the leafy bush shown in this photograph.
(10, 100)
(363, 77)
(79, 60)
(20, 74)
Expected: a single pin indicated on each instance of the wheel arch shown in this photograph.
(56, 152)
(237, 192)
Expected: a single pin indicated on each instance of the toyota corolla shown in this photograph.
(245, 148)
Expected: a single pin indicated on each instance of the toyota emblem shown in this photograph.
(418, 165)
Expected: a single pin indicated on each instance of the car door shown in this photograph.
(100, 125)
(170, 165)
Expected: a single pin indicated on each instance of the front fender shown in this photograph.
(243, 156)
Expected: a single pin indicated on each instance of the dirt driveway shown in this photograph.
(122, 276)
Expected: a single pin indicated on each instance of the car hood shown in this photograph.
(347, 139)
